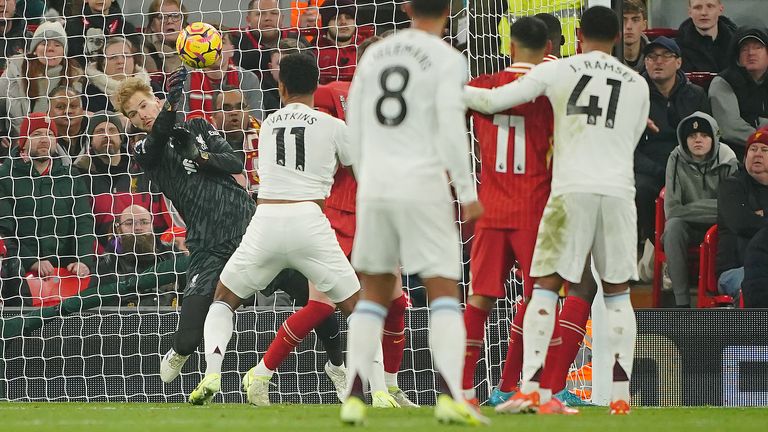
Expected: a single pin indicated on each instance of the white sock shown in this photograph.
(377, 379)
(448, 338)
(391, 380)
(217, 332)
(366, 325)
(262, 369)
(538, 325)
(622, 333)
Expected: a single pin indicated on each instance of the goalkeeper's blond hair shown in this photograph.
(127, 89)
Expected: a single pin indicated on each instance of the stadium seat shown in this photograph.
(656, 32)
(659, 258)
(701, 79)
(708, 295)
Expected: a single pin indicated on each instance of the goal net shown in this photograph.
(105, 343)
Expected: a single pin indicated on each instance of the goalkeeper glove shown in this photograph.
(175, 88)
(185, 144)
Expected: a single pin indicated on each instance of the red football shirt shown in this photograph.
(332, 98)
(515, 173)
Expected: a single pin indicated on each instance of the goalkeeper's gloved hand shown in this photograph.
(184, 143)
(175, 88)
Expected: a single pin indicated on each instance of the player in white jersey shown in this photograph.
(300, 149)
(601, 111)
(406, 119)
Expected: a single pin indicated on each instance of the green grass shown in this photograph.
(142, 417)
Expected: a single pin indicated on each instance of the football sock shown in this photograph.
(390, 379)
(573, 323)
(294, 330)
(447, 338)
(262, 370)
(329, 334)
(513, 365)
(538, 326)
(217, 332)
(553, 352)
(621, 338)
(393, 341)
(376, 379)
(364, 336)
(474, 323)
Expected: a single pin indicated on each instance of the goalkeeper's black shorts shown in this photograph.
(205, 267)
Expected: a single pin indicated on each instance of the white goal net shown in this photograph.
(64, 60)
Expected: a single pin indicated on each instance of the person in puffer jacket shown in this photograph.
(694, 171)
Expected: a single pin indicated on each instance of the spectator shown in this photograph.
(742, 203)
(337, 45)
(12, 29)
(705, 37)
(271, 97)
(43, 206)
(260, 37)
(230, 116)
(739, 94)
(202, 83)
(673, 98)
(166, 19)
(133, 249)
(635, 41)
(88, 29)
(66, 110)
(25, 86)
(694, 172)
(118, 62)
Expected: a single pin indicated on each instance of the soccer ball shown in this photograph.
(199, 45)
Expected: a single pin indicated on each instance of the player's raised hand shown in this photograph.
(175, 88)
(471, 211)
(184, 143)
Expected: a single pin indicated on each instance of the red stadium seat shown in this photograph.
(52, 290)
(659, 258)
(708, 295)
(701, 79)
(656, 32)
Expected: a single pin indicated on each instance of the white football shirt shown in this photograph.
(601, 111)
(299, 151)
(407, 121)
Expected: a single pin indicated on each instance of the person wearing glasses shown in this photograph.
(166, 19)
(673, 98)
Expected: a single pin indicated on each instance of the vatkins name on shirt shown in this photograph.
(283, 116)
(588, 65)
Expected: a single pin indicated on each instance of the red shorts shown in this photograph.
(343, 223)
(493, 255)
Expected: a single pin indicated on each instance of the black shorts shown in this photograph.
(205, 267)
(292, 283)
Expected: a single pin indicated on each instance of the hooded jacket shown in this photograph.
(653, 151)
(739, 103)
(691, 186)
(49, 214)
(739, 197)
(702, 53)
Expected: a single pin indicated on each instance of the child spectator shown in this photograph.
(25, 86)
(694, 172)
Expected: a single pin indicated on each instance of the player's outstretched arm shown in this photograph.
(220, 156)
(453, 142)
(522, 90)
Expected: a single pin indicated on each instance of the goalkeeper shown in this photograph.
(197, 170)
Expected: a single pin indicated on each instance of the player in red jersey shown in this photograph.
(515, 181)
(340, 210)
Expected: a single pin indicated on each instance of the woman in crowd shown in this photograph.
(66, 111)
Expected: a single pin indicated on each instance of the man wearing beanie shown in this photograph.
(694, 171)
(44, 206)
(338, 42)
(742, 251)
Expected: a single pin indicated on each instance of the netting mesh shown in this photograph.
(90, 206)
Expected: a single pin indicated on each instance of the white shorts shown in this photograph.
(421, 237)
(296, 236)
(575, 224)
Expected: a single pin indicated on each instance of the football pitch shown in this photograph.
(144, 417)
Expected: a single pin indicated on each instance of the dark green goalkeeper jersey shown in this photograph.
(214, 206)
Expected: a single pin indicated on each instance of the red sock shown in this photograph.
(549, 374)
(474, 321)
(573, 322)
(393, 341)
(513, 365)
(294, 330)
